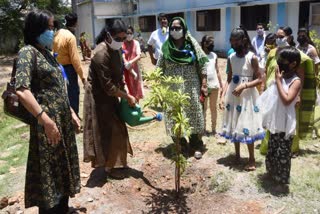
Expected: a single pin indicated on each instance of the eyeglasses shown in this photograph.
(280, 36)
(119, 39)
(175, 28)
(129, 33)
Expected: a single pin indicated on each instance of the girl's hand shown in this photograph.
(221, 104)
(238, 90)
(76, 122)
(278, 73)
(204, 90)
(131, 100)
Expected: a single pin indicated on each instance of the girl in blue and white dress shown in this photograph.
(242, 122)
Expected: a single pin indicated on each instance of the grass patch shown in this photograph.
(14, 149)
(220, 182)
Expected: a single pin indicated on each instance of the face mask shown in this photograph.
(46, 39)
(238, 49)
(283, 67)
(176, 34)
(302, 40)
(129, 37)
(260, 32)
(210, 48)
(282, 42)
(114, 44)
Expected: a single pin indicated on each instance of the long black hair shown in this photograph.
(241, 33)
(35, 24)
(289, 53)
(113, 27)
(272, 36)
(288, 31)
(304, 30)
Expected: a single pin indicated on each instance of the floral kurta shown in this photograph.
(52, 170)
(191, 86)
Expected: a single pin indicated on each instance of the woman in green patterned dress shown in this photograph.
(183, 56)
(53, 167)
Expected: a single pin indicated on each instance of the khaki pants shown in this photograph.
(213, 100)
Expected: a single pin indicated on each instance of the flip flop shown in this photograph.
(250, 168)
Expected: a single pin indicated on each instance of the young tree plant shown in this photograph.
(165, 94)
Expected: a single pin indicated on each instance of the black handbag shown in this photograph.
(12, 106)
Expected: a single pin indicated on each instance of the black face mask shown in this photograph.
(210, 48)
(238, 49)
(302, 40)
(283, 67)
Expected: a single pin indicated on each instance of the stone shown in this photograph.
(4, 202)
(13, 200)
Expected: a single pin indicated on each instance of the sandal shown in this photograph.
(250, 167)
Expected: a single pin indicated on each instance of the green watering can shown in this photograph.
(133, 116)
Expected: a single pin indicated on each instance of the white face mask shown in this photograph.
(129, 37)
(114, 44)
(176, 34)
(282, 42)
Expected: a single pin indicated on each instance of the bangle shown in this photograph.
(39, 115)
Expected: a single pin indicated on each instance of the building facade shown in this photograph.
(203, 17)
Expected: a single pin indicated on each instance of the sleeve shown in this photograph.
(99, 65)
(74, 57)
(138, 49)
(25, 65)
(152, 40)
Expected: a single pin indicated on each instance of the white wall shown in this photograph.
(293, 17)
(113, 8)
(85, 20)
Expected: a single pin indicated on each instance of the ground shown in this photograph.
(212, 184)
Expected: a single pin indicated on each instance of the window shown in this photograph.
(315, 14)
(208, 20)
(147, 23)
(250, 16)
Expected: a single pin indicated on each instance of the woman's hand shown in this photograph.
(128, 65)
(50, 128)
(131, 100)
(76, 122)
(238, 90)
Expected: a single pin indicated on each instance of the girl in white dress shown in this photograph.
(242, 120)
(279, 115)
(214, 81)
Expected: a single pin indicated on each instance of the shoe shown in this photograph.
(197, 155)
